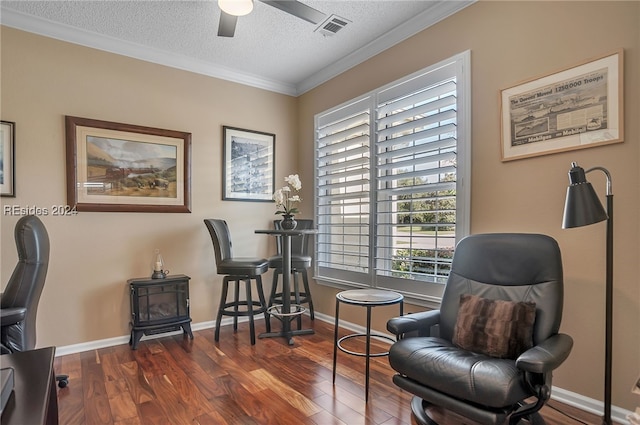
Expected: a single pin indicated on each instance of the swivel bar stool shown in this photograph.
(237, 270)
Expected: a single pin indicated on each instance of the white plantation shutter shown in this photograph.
(416, 176)
(391, 171)
(343, 191)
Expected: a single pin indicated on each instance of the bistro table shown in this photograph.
(368, 298)
(286, 314)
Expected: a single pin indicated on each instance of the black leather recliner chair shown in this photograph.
(484, 386)
(19, 301)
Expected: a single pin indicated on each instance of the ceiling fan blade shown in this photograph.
(227, 25)
(298, 9)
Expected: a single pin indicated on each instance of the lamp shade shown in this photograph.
(236, 7)
(582, 206)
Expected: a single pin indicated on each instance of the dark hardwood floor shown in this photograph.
(171, 380)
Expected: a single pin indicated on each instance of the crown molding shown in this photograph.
(439, 11)
(436, 13)
(67, 33)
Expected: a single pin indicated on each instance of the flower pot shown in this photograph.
(288, 222)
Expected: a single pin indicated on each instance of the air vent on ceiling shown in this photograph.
(332, 25)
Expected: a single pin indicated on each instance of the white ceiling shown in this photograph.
(271, 49)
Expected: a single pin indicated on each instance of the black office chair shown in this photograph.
(237, 270)
(300, 263)
(497, 339)
(19, 301)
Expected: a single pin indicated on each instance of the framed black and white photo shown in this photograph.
(7, 159)
(248, 165)
(575, 108)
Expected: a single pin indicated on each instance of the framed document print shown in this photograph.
(576, 108)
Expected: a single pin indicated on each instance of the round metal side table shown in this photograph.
(368, 298)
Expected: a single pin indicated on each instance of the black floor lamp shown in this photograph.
(582, 207)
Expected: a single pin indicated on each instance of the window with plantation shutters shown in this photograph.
(343, 190)
(392, 183)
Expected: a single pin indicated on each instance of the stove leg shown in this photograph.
(135, 338)
(186, 328)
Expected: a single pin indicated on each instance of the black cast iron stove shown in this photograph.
(158, 306)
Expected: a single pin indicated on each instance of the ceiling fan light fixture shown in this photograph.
(236, 7)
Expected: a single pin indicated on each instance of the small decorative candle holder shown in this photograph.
(157, 266)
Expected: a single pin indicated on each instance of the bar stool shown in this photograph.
(237, 270)
(300, 262)
(368, 298)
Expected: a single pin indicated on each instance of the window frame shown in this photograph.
(419, 292)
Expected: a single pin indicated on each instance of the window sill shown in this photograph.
(410, 298)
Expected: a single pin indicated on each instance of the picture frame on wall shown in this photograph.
(7, 159)
(248, 165)
(575, 108)
(119, 167)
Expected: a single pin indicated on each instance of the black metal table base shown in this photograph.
(286, 318)
(287, 311)
(287, 335)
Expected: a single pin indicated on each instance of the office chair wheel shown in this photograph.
(63, 381)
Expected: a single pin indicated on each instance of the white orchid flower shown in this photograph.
(294, 181)
(284, 198)
(278, 196)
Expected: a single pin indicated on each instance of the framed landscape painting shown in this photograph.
(248, 163)
(7, 158)
(127, 168)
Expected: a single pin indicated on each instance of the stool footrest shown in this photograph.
(226, 308)
(276, 310)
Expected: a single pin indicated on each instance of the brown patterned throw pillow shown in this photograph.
(497, 328)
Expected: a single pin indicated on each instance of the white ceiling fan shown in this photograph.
(232, 9)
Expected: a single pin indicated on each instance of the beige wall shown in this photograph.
(511, 42)
(95, 253)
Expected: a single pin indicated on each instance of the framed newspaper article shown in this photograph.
(576, 108)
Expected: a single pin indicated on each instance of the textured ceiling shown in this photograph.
(271, 49)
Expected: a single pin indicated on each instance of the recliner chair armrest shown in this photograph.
(13, 315)
(547, 355)
(421, 322)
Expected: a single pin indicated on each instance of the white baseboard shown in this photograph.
(119, 340)
(570, 398)
(595, 407)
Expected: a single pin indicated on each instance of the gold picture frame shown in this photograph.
(127, 168)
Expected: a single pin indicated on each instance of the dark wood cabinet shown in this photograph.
(34, 400)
